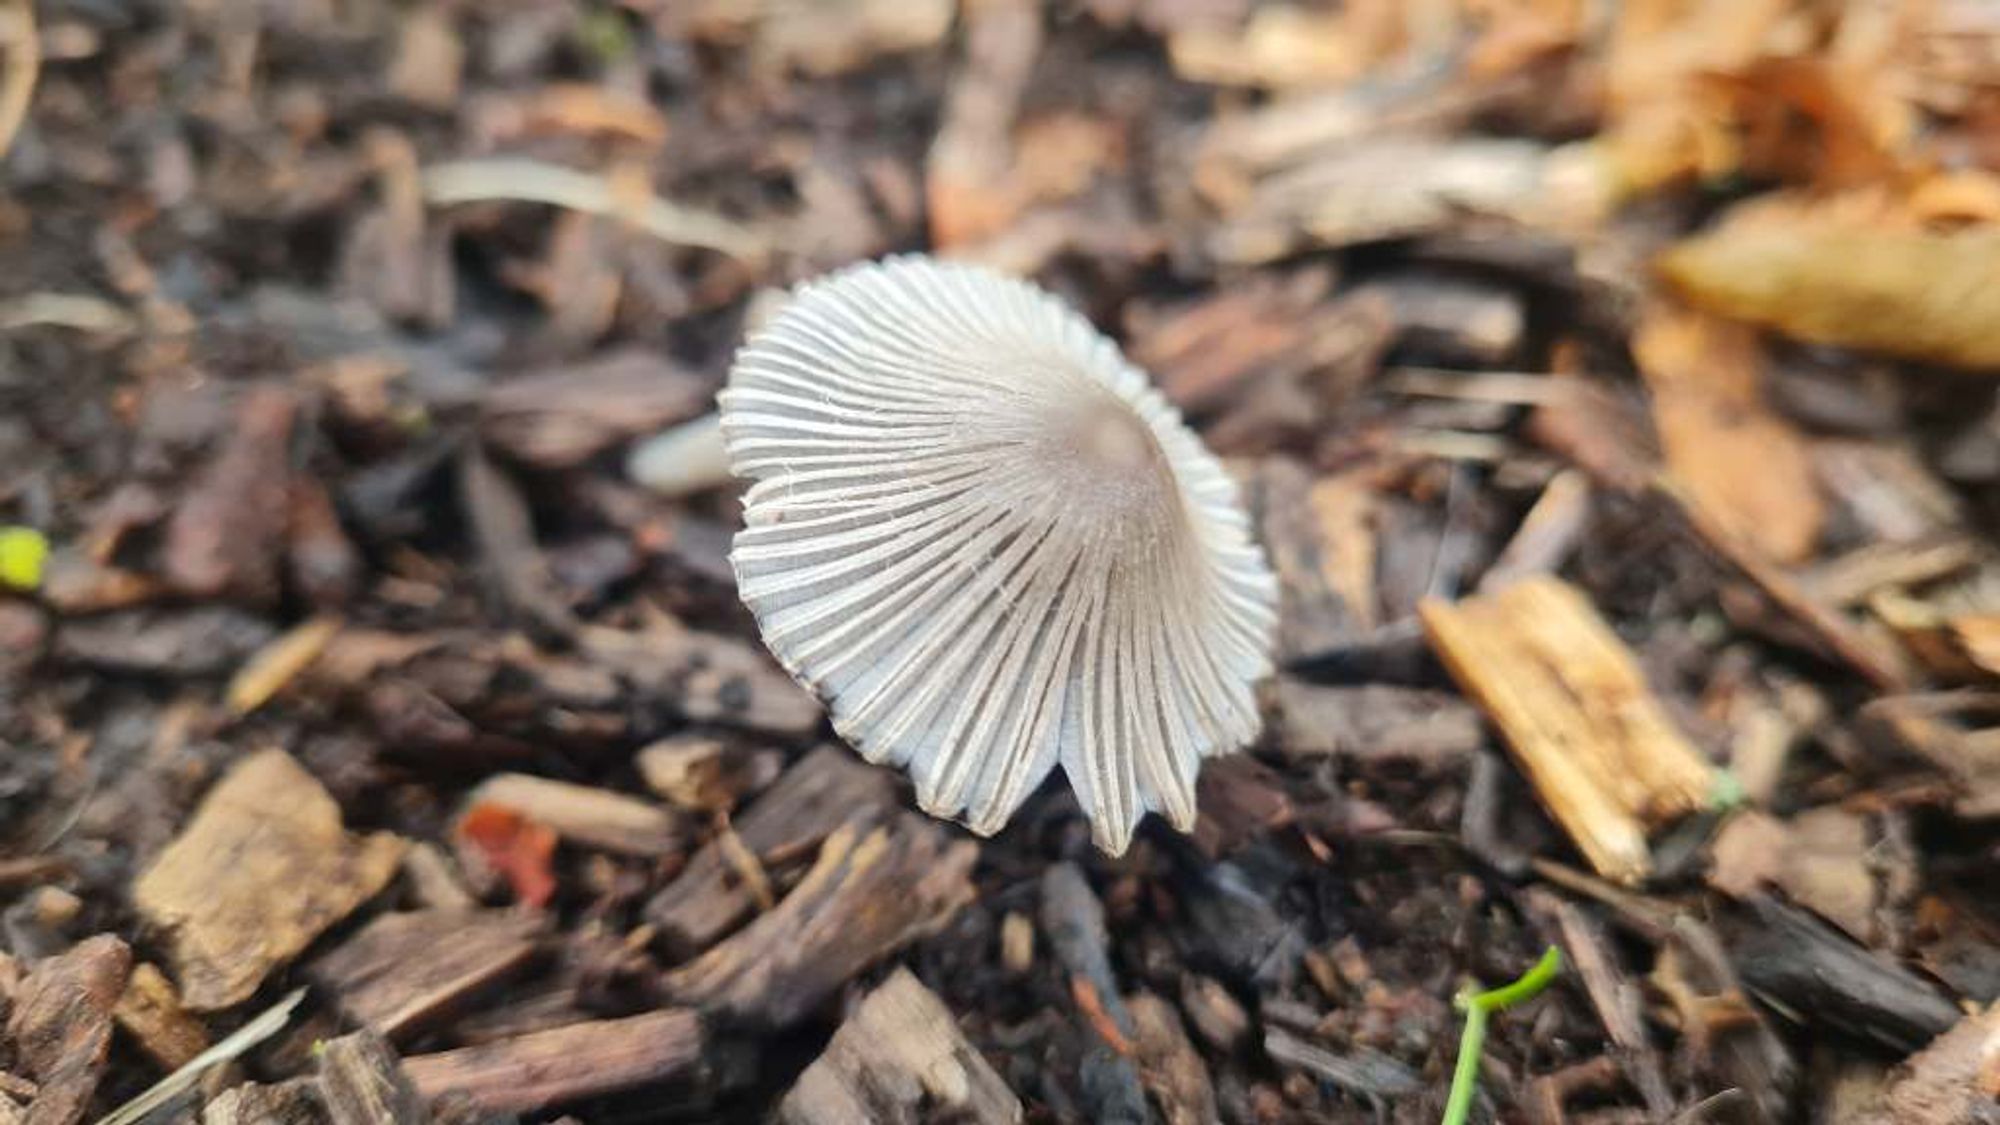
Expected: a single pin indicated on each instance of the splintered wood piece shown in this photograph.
(1569, 698)
(564, 1064)
(61, 1026)
(869, 894)
(262, 869)
(362, 1083)
(403, 972)
(585, 816)
(826, 789)
(150, 1012)
(899, 1060)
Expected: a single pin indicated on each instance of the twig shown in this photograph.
(24, 65)
(1479, 1007)
(166, 1089)
(533, 181)
(63, 310)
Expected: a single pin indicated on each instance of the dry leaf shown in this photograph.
(1736, 457)
(1916, 295)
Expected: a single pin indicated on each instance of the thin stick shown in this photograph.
(534, 181)
(1479, 1007)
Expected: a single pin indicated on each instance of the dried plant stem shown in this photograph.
(533, 181)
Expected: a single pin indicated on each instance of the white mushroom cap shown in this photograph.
(989, 545)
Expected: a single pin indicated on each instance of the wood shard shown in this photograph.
(564, 1064)
(60, 1026)
(899, 1060)
(1569, 698)
(150, 1012)
(403, 972)
(362, 1083)
(826, 789)
(870, 893)
(263, 868)
(585, 816)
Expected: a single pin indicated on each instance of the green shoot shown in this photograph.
(23, 554)
(1479, 1007)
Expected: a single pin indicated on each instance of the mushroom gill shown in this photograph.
(989, 545)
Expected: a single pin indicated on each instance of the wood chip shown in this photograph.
(560, 418)
(701, 773)
(60, 1026)
(563, 1065)
(1169, 1066)
(403, 973)
(227, 535)
(278, 663)
(1834, 635)
(899, 1058)
(585, 816)
(289, 1103)
(1322, 549)
(1731, 453)
(1376, 723)
(868, 895)
(150, 1012)
(707, 678)
(262, 869)
(969, 176)
(1821, 859)
(1216, 1015)
(828, 788)
(361, 1083)
(1569, 698)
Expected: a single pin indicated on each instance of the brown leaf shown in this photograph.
(1740, 460)
(1911, 294)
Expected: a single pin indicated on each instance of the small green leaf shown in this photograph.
(24, 554)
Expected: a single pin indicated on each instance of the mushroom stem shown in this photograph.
(683, 459)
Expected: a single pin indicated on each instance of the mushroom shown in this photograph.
(983, 539)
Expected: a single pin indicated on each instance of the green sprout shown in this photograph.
(1479, 1007)
(23, 555)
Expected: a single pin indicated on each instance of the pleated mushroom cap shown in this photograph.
(989, 545)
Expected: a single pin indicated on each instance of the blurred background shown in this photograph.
(1612, 385)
